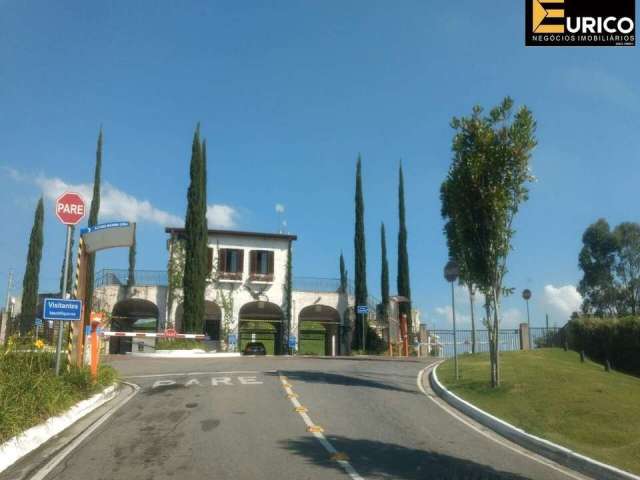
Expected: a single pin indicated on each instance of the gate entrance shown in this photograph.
(318, 331)
(261, 322)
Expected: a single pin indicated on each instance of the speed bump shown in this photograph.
(338, 456)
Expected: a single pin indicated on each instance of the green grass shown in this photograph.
(549, 393)
(30, 392)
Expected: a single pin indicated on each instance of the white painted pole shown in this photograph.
(64, 295)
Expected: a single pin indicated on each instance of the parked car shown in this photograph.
(255, 348)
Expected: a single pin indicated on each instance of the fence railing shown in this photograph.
(440, 342)
(114, 276)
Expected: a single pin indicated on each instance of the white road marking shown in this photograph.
(319, 435)
(163, 383)
(462, 419)
(195, 373)
(215, 381)
(59, 457)
(249, 381)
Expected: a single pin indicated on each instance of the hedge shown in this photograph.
(613, 339)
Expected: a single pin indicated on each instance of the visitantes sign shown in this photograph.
(60, 309)
(70, 208)
(580, 23)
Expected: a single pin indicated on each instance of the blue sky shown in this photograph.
(288, 94)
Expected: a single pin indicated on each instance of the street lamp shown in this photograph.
(526, 294)
(451, 273)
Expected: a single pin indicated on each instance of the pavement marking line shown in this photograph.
(451, 411)
(62, 454)
(341, 458)
(194, 373)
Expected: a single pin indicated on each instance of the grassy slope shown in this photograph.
(549, 393)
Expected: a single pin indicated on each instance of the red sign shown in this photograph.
(70, 208)
(170, 333)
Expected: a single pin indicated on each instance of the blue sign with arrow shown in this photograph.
(292, 341)
(362, 309)
(61, 309)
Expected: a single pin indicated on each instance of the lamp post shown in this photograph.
(526, 294)
(451, 273)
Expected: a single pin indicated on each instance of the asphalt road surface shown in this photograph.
(248, 418)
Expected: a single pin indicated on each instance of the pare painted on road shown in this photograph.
(210, 382)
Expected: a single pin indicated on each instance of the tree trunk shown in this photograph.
(487, 307)
(473, 321)
(496, 326)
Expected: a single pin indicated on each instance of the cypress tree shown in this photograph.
(93, 220)
(32, 270)
(196, 238)
(70, 260)
(404, 288)
(360, 276)
(343, 275)
(131, 278)
(384, 271)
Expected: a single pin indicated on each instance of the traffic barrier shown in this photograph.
(152, 335)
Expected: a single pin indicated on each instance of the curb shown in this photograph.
(545, 448)
(184, 354)
(17, 447)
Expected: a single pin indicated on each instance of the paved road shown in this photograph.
(233, 419)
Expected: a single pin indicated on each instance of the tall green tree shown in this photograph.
(71, 265)
(627, 267)
(404, 284)
(360, 275)
(94, 210)
(343, 275)
(481, 195)
(196, 240)
(384, 271)
(131, 277)
(30, 280)
(596, 260)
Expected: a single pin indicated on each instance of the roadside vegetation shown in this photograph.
(30, 392)
(552, 394)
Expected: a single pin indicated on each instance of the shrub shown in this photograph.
(179, 344)
(615, 339)
(30, 392)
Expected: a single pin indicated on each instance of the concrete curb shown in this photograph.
(557, 453)
(17, 447)
(184, 354)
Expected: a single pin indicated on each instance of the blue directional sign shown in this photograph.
(292, 341)
(38, 322)
(60, 309)
(102, 226)
(232, 339)
(362, 309)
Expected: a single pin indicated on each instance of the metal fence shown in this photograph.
(440, 342)
(113, 276)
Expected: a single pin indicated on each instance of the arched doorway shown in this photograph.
(261, 322)
(212, 319)
(131, 315)
(319, 331)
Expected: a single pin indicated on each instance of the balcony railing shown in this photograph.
(314, 284)
(112, 276)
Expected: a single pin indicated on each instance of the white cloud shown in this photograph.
(511, 318)
(114, 203)
(221, 216)
(561, 301)
(279, 208)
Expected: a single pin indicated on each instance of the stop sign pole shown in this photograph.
(69, 210)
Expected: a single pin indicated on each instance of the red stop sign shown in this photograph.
(70, 208)
(170, 333)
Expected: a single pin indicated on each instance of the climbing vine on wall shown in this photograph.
(175, 271)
